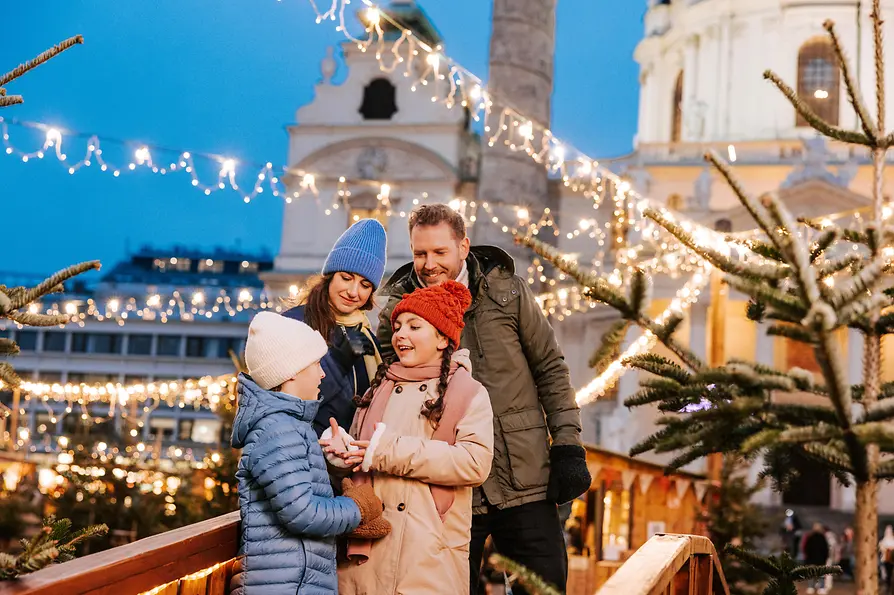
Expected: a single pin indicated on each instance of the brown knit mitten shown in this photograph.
(363, 495)
(374, 529)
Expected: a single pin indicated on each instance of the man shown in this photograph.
(539, 461)
(816, 553)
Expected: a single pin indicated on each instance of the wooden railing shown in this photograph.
(193, 560)
(198, 560)
(670, 565)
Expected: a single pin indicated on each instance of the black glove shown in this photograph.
(568, 473)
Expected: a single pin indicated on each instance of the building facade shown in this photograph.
(702, 88)
(164, 315)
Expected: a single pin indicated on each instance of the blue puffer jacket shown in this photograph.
(289, 516)
(337, 388)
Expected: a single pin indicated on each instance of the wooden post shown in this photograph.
(717, 351)
(14, 423)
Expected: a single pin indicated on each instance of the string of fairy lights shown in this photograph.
(102, 403)
(628, 241)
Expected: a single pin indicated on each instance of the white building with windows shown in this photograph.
(377, 146)
(701, 88)
(162, 340)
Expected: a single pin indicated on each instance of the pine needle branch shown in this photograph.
(531, 582)
(8, 100)
(595, 288)
(742, 268)
(853, 90)
(818, 124)
(44, 57)
(53, 282)
(8, 375)
(880, 411)
(8, 347)
(29, 319)
(746, 199)
(610, 346)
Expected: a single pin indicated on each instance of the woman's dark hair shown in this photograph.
(432, 409)
(318, 312)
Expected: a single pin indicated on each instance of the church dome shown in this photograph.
(702, 63)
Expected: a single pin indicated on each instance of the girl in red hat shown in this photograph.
(425, 439)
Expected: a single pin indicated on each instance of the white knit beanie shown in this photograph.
(278, 348)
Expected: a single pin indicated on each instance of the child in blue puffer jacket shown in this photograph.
(289, 515)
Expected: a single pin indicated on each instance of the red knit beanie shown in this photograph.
(442, 306)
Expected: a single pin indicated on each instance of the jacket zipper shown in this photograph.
(353, 370)
(482, 289)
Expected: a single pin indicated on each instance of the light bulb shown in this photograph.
(54, 137)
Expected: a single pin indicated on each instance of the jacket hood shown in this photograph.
(482, 260)
(255, 403)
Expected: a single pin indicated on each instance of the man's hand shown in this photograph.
(569, 476)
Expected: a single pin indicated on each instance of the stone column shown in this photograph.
(647, 83)
(721, 122)
(690, 85)
(522, 48)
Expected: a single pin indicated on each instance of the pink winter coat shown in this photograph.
(423, 555)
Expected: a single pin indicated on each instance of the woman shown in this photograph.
(335, 306)
(886, 554)
(425, 439)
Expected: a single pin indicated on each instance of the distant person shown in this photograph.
(816, 553)
(790, 533)
(834, 554)
(886, 555)
(846, 557)
(289, 515)
(335, 305)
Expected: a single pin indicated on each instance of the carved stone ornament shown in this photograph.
(328, 66)
(371, 163)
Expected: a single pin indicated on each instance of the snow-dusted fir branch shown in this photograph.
(744, 197)
(596, 288)
(853, 90)
(816, 122)
(7, 100)
(762, 269)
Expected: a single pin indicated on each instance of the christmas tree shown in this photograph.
(53, 543)
(14, 301)
(807, 280)
(733, 520)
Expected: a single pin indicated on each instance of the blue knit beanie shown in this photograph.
(360, 250)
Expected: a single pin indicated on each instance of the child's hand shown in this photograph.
(337, 445)
(355, 456)
(372, 524)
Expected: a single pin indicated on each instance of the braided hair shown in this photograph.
(363, 401)
(434, 409)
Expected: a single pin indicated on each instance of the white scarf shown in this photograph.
(463, 276)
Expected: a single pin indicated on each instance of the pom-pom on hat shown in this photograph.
(443, 306)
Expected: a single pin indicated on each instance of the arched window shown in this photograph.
(677, 117)
(819, 79)
(675, 202)
(378, 100)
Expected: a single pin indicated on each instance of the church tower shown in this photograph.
(522, 51)
(372, 143)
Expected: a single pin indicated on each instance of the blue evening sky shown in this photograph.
(225, 77)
